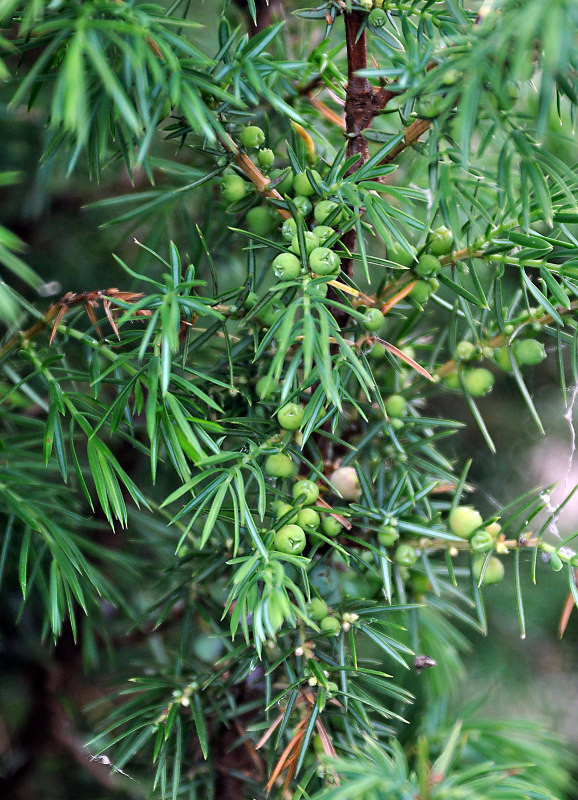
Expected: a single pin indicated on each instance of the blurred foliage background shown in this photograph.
(70, 244)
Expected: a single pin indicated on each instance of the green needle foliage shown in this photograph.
(181, 407)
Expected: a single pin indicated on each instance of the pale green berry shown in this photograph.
(464, 521)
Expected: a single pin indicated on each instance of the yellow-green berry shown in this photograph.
(290, 416)
(266, 159)
(303, 186)
(308, 518)
(396, 405)
(330, 526)
(279, 465)
(306, 492)
(330, 626)
(464, 521)
(290, 539)
(494, 571)
(233, 188)
(252, 136)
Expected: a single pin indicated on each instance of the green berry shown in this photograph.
(252, 136)
(388, 535)
(451, 77)
(452, 380)
(324, 261)
(405, 555)
(427, 265)
(399, 255)
(303, 186)
(279, 465)
(289, 229)
(266, 159)
(233, 188)
(285, 512)
(317, 609)
(441, 241)
(494, 571)
(377, 351)
(529, 352)
(290, 539)
(430, 108)
(330, 626)
(481, 542)
(323, 233)
(287, 266)
(303, 205)
(420, 583)
(377, 18)
(372, 319)
(306, 492)
(502, 359)
(260, 221)
(479, 381)
(494, 529)
(346, 483)
(396, 405)
(308, 518)
(325, 209)
(265, 387)
(464, 521)
(330, 526)
(310, 243)
(284, 186)
(421, 292)
(270, 312)
(290, 416)
(465, 350)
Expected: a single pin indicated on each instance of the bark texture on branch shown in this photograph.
(359, 94)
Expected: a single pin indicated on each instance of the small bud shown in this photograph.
(299, 651)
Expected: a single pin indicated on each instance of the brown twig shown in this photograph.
(57, 311)
(328, 113)
(410, 137)
(252, 172)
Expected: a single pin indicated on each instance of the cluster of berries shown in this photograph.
(467, 523)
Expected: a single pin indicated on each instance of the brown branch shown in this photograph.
(252, 172)
(410, 137)
(327, 112)
(57, 311)
(359, 94)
